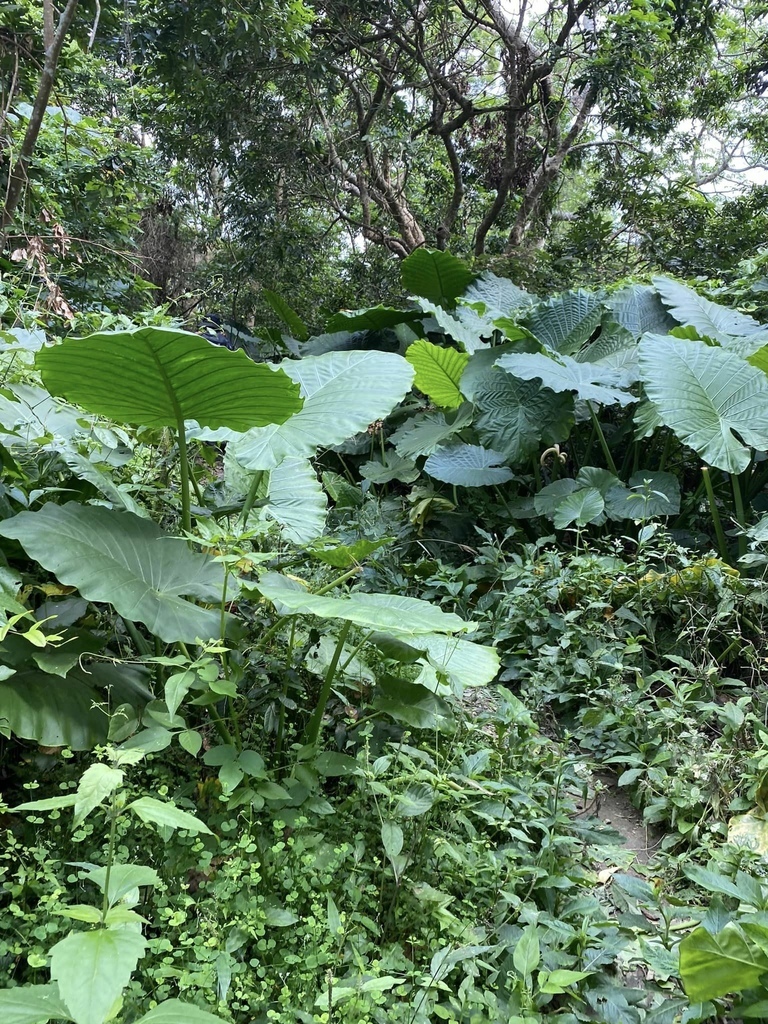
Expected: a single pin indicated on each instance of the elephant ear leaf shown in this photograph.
(119, 558)
(159, 377)
(710, 319)
(710, 397)
(438, 372)
(435, 275)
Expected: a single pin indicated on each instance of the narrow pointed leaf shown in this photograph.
(33, 1004)
(96, 784)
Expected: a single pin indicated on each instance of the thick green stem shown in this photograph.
(139, 642)
(186, 515)
(315, 723)
(601, 437)
(713, 510)
(740, 517)
(284, 693)
(250, 499)
(667, 449)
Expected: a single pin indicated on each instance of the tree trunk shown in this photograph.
(18, 175)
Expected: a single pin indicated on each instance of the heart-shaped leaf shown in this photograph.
(129, 562)
(159, 377)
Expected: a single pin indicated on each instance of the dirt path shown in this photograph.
(616, 810)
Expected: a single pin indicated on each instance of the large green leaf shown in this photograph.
(712, 399)
(515, 415)
(168, 815)
(468, 465)
(287, 314)
(174, 1011)
(296, 500)
(714, 965)
(425, 432)
(390, 613)
(438, 372)
(616, 349)
(579, 508)
(34, 415)
(84, 469)
(590, 381)
(66, 712)
(377, 318)
(566, 322)
(720, 323)
(435, 275)
(158, 376)
(33, 1004)
(638, 309)
(464, 326)
(92, 968)
(129, 562)
(499, 297)
(344, 392)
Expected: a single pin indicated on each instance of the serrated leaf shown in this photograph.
(32, 1004)
(713, 400)
(129, 562)
(438, 372)
(96, 784)
(468, 465)
(123, 878)
(157, 376)
(415, 801)
(167, 814)
(92, 969)
(174, 1011)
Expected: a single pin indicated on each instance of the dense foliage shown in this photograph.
(383, 512)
